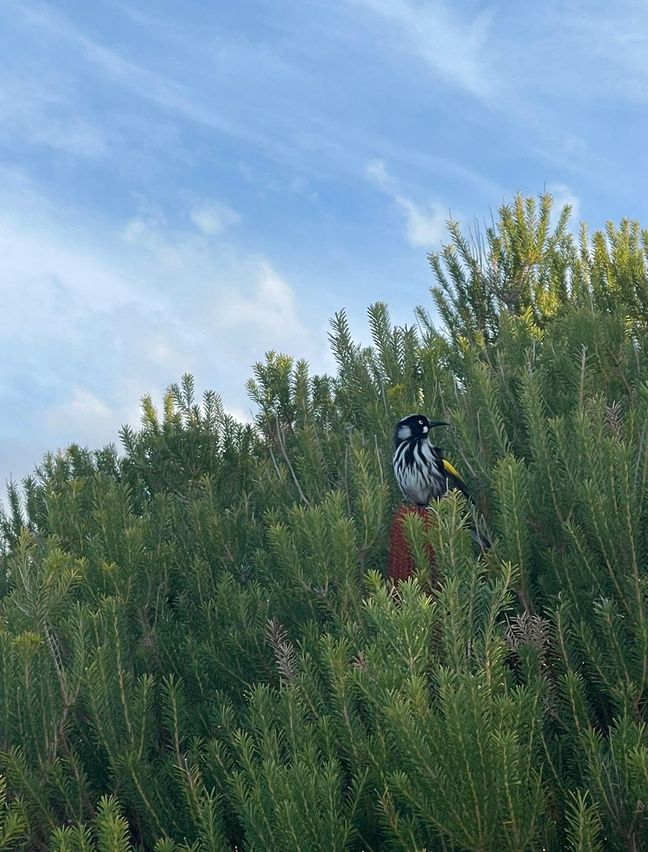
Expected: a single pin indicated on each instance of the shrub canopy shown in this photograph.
(199, 650)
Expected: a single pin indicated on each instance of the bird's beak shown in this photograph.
(438, 423)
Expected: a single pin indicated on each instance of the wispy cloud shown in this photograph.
(603, 48)
(86, 410)
(213, 217)
(244, 90)
(424, 225)
(38, 115)
(562, 195)
(455, 47)
(197, 101)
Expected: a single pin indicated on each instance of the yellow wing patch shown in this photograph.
(451, 469)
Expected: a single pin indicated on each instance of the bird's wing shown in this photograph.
(454, 480)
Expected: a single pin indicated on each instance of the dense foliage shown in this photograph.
(199, 650)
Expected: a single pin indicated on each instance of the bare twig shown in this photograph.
(290, 467)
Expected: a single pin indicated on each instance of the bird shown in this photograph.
(421, 471)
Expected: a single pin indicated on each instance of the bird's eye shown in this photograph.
(420, 422)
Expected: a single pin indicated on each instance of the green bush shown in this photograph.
(198, 646)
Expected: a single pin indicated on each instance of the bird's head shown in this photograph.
(414, 427)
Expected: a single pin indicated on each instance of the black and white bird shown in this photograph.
(421, 471)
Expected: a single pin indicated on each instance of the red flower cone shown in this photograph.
(400, 562)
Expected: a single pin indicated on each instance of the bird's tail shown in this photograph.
(482, 541)
(476, 526)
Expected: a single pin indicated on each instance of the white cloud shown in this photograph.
(94, 318)
(424, 225)
(212, 217)
(455, 48)
(84, 409)
(377, 171)
(563, 195)
(267, 304)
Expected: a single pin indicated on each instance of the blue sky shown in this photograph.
(185, 186)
